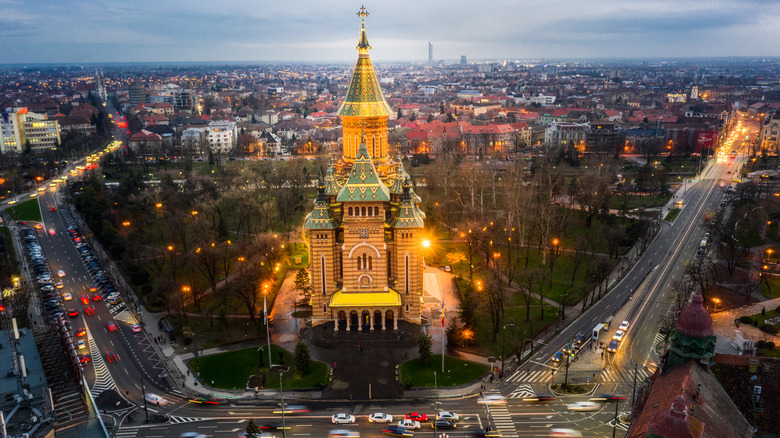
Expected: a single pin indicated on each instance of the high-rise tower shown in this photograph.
(430, 52)
(365, 110)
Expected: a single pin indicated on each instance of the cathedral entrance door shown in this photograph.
(389, 320)
(353, 320)
(342, 321)
(377, 320)
(365, 321)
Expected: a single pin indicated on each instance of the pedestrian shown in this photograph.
(188, 373)
(335, 365)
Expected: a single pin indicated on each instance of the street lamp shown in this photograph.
(716, 300)
(503, 341)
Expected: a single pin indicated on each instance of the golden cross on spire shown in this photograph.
(362, 13)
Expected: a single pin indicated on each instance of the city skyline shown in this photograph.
(235, 31)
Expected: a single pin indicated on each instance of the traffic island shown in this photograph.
(571, 389)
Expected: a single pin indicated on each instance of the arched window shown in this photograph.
(359, 264)
(362, 211)
(376, 211)
(370, 211)
(350, 211)
(370, 264)
(365, 264)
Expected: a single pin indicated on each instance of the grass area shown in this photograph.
(232, 369)
(26, 211)
(13, 263)
(774, 287)
(456, 372)
(672, 215)
(769, 353)
(630, 202)
(212, 329)
(769, 314)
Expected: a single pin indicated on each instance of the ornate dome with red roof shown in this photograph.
(694, 320)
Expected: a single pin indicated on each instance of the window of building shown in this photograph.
(350, 211)
(376, 211)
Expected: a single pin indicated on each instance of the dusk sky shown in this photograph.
(69, 31)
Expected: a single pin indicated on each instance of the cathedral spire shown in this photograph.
(363, 46)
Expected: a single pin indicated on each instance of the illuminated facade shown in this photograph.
(18, 126)
(365, 229)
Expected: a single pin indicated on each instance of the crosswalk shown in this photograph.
(127, 432)
(526, 376)
(103, 379)
(612, 375)
(523, 390)
(502, 419)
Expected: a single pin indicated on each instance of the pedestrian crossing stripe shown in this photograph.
(612, 376)
(103, 379)
(530, 377)
(178, 420)
(523, 390)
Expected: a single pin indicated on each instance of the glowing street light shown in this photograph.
(125, 223)
(426, 243)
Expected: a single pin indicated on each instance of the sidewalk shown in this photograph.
(725, 328)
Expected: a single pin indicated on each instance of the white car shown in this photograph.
(81, 344)
(344, 433)
(623, 326)
(492, 400)
(409, 424)
(60, 273)
(584, 406)
(446, 415)
(67, 296)
(618, 336)
(342, 419)
(378, 417)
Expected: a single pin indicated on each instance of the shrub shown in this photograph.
(761, 343)
(302, 357)
(770, 345)
(769, 328)
(746, 320)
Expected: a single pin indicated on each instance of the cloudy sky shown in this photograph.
(75, 31)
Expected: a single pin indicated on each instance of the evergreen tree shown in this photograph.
(251, 429)
(302, 357)
(303, 285)
(424, 344)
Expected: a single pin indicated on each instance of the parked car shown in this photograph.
(379, 417)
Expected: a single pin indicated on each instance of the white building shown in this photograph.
(565, 134)
(18, 126)
(543, 100)
(222, 135)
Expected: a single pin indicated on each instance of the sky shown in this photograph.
(94, 31)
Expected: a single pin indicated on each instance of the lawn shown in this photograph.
(232, 369)
(9, 248)
(769, 314)
(672, 215)
(26, 211)
(635, 201)
(774, 290)
(456, 372)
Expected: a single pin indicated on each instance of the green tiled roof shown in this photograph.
(332, 186)
(319, 218)
(409, 216)
(363, 183)
(364, 96)
(397, 181)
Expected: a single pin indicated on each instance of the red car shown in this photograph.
(53, 209)
(81, 332)
(416, 416)
(112, 326)
(85, 359)
(73, 313)
(89, 311)
(85, 300)
(97, 297)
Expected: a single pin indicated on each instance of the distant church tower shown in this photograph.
(365, 248)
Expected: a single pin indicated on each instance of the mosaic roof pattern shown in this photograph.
(363, 183)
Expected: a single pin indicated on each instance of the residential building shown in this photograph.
(145, 143)
(770, 134)
(20, 126)
(222, 135)
(604, 137)
(562, 134)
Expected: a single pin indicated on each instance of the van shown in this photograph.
(608, 320)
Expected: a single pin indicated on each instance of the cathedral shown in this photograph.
(365, 246)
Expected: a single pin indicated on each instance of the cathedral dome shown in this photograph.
(694, 320)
